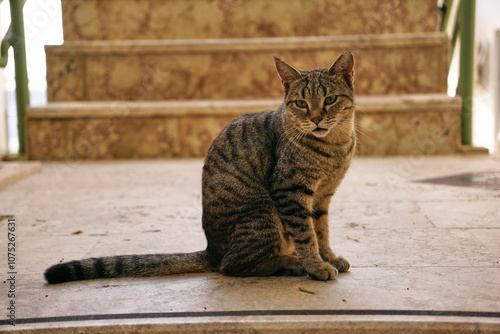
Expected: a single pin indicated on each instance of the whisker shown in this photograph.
(292, 135)
(359, 130)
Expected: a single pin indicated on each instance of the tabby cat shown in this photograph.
(268, 179)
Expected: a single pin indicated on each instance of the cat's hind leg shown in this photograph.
(259, 248)
(282, 265)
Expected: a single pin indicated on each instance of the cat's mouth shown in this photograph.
(320, 132)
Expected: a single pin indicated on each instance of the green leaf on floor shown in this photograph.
(350, 238)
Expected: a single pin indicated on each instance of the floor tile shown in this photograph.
(14, 171)
(463, 214)
(490, 238)
(408, 247)
(378, 214)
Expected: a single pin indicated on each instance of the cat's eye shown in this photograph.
(301, 103)
(330, 100)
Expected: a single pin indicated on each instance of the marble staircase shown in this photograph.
(91, 20)
(156, 78)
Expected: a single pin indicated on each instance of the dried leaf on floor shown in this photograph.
(77, 232)
(306, 291)
(99, 234)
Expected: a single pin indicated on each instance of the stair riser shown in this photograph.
(115, 138)
(163, 136)
(174, 19)
(248, 72)
(414, 134)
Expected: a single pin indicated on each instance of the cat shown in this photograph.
(268, 179)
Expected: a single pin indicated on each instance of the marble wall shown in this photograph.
(184, 19)
(162, 70)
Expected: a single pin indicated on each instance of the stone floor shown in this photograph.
(425, 255)
(13, 171)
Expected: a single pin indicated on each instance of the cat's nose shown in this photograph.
(316, 120)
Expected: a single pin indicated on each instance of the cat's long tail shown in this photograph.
(129, 266)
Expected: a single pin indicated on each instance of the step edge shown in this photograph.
(124, 109)
(248, 44)
(404, 102)
(364, 104)
(346, 324)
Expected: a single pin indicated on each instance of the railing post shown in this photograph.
(22, 91)
(466, 77)
(15, 38)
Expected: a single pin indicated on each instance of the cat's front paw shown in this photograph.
(328, 257)
(341, 264)
(323, 272)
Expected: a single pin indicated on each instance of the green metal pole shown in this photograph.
(466, 78)
(446, 18)
(22, 91)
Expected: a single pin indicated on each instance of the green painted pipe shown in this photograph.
(15, 38)
(466, 18)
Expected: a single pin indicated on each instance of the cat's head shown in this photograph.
(318, 100)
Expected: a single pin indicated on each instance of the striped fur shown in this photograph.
(268, 180)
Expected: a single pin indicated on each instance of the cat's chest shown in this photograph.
(331, 171)
(327, 161)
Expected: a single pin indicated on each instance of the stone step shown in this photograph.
(387, 125)
(159, 70)
(184, 19)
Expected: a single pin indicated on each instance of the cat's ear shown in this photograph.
(287, 73)
(344, 66)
